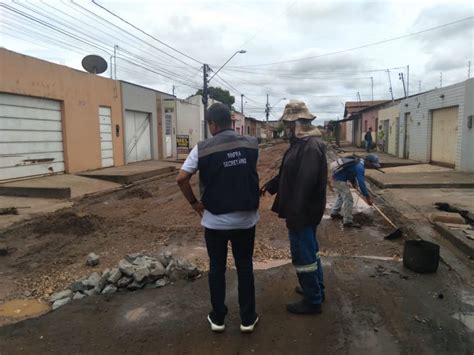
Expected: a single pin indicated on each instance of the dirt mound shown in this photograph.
(363, 219)
(136, 193)
(67, 223)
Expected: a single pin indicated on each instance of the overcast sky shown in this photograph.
(270, 31)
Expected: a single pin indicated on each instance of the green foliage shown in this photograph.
(219, 94)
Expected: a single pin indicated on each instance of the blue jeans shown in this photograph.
(304, 248)
(368, 146)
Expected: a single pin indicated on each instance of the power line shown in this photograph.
(362, 46)
(145, 33)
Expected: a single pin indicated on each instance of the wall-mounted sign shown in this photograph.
(182, 143)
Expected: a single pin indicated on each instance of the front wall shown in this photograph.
(420, 108)
(81, 94)
(188, 121)
(391, 114)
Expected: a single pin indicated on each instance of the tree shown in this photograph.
(219, 94)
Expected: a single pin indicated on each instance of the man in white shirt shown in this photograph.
(227, 165)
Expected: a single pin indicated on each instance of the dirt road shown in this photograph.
(374, 305)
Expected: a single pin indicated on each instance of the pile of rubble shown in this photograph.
(134, 272)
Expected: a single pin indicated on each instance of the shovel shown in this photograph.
(394, 235)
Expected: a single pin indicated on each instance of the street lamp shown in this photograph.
(206, 69)
(228, 60)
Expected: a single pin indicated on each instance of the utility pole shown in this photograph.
(267, 109)
(441, 79)
(419, 86)
(468, 69)
(372, 88)
(242, 103)
(205, 94)
(115, 61)
(390, 83)
(400, 76)
(358, 96)
(174, 87)
(408, 81)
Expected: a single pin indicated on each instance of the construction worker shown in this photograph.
(227, 165)
(301, 200)
(352, 170)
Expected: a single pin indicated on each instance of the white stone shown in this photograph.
(61, 295)
(60, 303)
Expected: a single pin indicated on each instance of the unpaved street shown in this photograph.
(373, 304)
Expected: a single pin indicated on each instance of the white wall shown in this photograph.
(349, 131)
(466, 161)
(189, 120)
(420, 108)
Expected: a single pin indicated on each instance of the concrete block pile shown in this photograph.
(134, 272)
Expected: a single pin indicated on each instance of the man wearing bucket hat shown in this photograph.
(301, 200)
(351, 170)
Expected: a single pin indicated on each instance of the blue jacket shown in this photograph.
(351, 173)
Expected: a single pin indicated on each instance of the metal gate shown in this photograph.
(137, 136)
(31, 137)
(444, 136)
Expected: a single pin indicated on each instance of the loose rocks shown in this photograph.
(134, 272)
(92, 259)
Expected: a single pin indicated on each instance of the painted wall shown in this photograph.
(369, 119)
(391, 114)
(349, 132)
(466, 158)
(420, 108)
(238, 122)
(137, 98)
(188, 115)
(81, 95)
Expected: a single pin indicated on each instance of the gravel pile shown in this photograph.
(134, 272)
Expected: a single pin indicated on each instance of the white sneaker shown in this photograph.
(215, 327)
(249, 328)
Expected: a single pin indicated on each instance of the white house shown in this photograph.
(437, 126)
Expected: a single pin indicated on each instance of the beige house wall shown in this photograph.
(81, 95)
(392, 114)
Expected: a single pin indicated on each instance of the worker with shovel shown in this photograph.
(301, 200)
(350, 169)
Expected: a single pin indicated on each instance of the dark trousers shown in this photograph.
(242, 241)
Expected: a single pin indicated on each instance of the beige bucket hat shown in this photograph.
(295, 110)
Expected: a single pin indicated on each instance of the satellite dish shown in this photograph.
(94, 64)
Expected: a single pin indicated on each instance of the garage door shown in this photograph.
(444, 136)
(137, 136)
(31, 139)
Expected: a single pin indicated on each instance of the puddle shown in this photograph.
(16, 310)
(466, 318)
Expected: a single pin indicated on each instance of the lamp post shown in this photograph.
(206, 81)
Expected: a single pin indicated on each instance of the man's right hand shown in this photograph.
(263, 190)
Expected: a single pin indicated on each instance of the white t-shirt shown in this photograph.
(226, 221)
